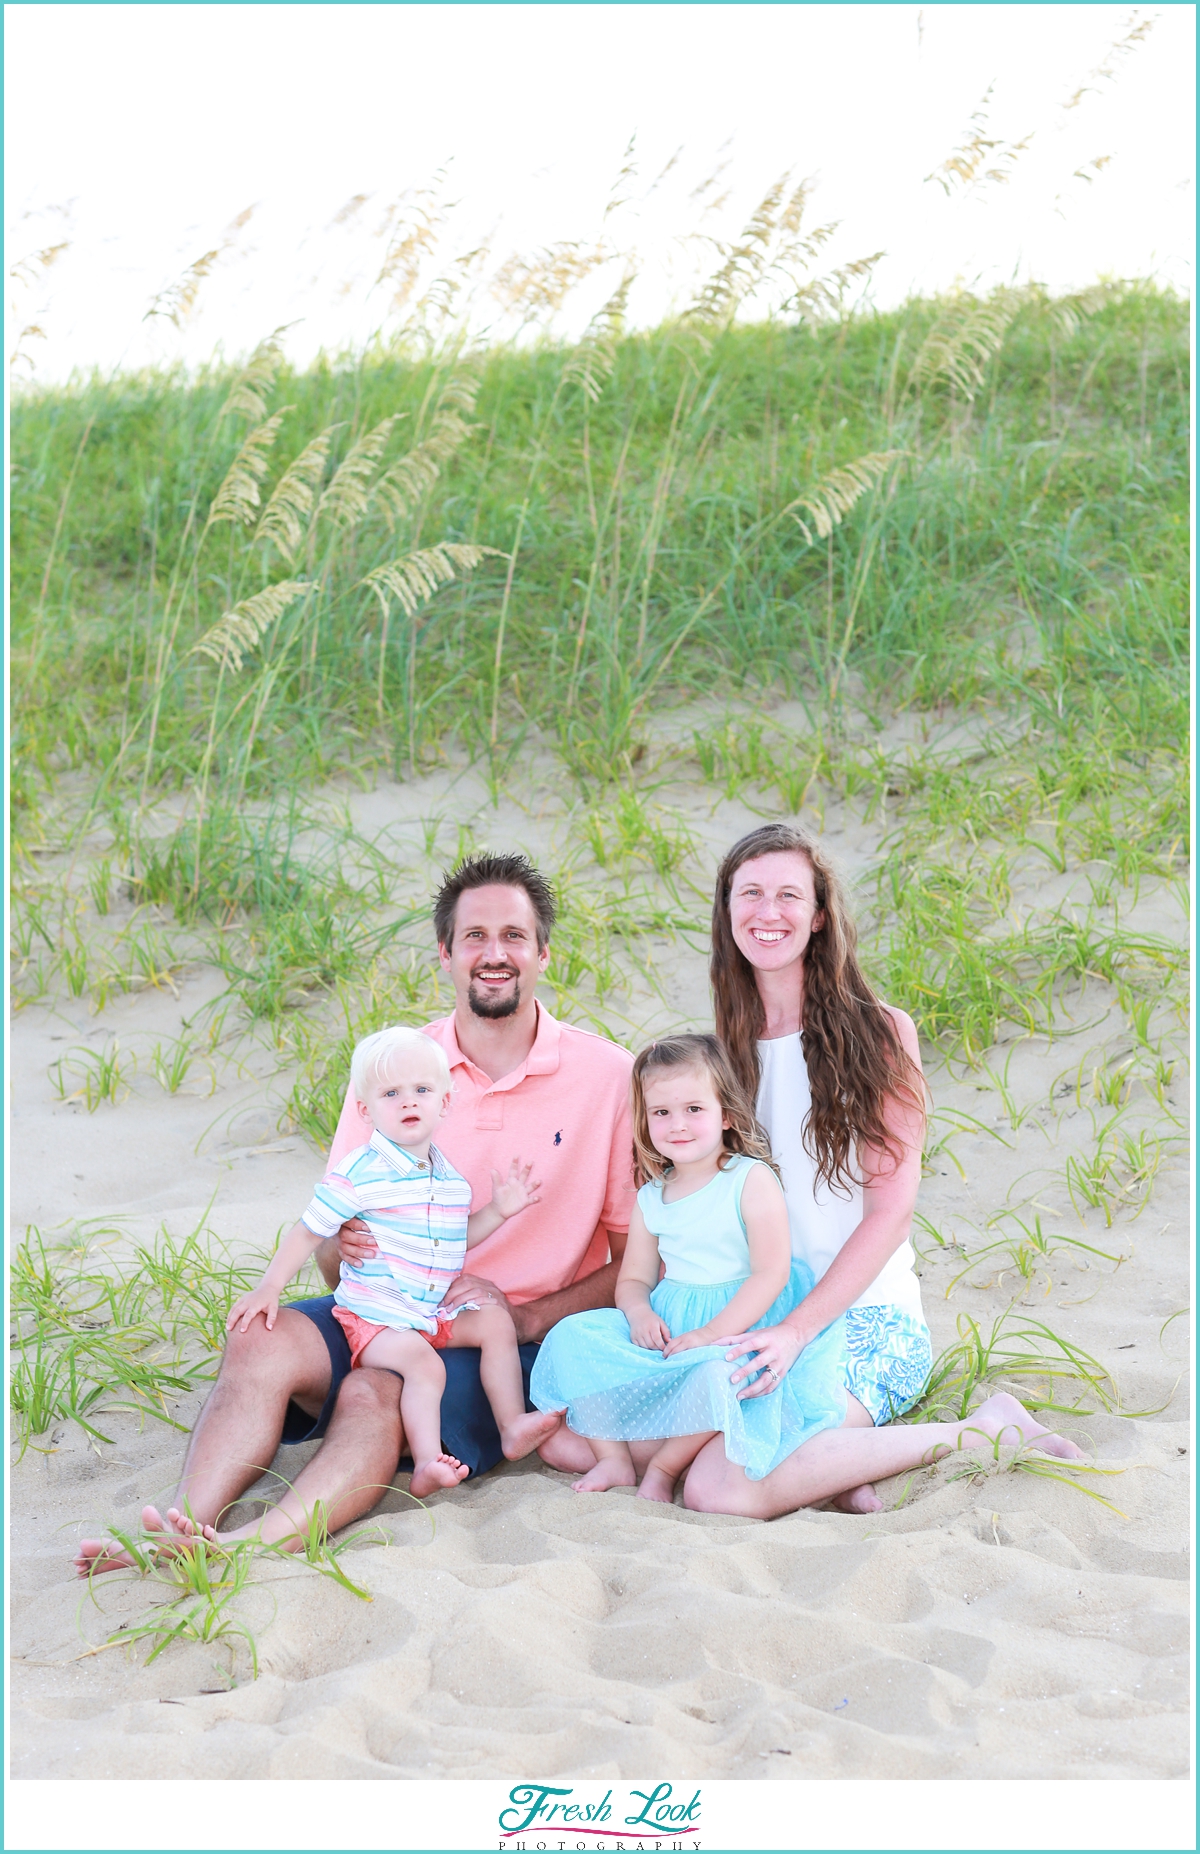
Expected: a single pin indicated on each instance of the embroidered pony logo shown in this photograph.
(558, 1138)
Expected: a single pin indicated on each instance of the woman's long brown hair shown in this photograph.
(856, 1062)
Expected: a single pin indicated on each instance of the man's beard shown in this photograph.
(483, 1004)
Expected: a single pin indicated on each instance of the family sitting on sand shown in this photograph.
(778, 1165)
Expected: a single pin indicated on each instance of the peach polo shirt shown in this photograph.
(566, 1109)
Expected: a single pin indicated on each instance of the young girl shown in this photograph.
(711, 1212)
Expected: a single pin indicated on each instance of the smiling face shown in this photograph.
(494, 962)
(407, 1102)
(685, 1118)
(773, 910)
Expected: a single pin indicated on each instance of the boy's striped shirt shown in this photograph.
(417, 1213)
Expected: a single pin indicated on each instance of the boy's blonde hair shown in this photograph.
(375, 1057)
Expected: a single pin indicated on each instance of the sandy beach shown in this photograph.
(997, 1624)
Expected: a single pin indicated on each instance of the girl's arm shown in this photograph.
(764, 1212)
(287, 1261)
(638, 1277)
(889, 1198)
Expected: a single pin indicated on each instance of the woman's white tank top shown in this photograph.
(821, 1220)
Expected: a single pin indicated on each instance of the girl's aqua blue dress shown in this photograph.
(617, 1391)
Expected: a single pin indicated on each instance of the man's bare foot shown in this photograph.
(1010, 1423)
(657, 1485)
(529, 1432)
(172, 1534)
(442, 1471)
(607, 1473)
(857, 1500)
(569, 1453)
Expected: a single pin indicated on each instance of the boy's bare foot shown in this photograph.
(442, 1471)
(174, 1534)
(1009, 1422)
(657, 1485)
(528, 1432)
(857, 1500)
(607, 1473)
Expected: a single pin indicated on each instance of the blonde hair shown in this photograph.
(743, 1134)
(375, 1056)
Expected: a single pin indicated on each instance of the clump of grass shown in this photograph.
(1016, 1353)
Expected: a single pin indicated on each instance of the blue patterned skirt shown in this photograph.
(616, 1391)
(890, 1359)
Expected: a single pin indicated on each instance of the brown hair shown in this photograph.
(856, 1062)
(743, 1134)
(510, 870)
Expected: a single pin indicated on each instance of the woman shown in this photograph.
(837, 1076)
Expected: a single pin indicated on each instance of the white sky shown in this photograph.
(137, 133)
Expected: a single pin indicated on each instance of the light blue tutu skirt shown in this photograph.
(617, 1391)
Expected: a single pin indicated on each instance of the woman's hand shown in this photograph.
(775, 1349)
(686, 1341)
(262, 1300)
(646, 1329)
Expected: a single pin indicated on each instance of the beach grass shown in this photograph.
(817, 565)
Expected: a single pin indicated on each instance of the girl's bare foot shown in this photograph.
(528, 1432)
(1010, 1423)
(857, 1500)
(657, 1485)
(442, 1471)
(607, 1473)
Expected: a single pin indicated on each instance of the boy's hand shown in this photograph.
(646, 1329)
(263, 1301)
(686, 1341)
(517, 1191)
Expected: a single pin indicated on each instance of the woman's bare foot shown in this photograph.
(442, 1471)
(172, 1535)
(529, 1432)
(857, 1500)
(1010, 1423)
(607, 1473)
(656, 1484)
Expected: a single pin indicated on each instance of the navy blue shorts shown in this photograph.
(468, 1426)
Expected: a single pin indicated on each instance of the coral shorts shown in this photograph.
(359, 1333)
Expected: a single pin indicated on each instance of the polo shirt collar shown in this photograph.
(543, 1058)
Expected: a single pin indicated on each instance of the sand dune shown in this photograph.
(1001, 1626)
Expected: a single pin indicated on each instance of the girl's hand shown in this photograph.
(646, 1329)
(263, 1300)
(686, 1341)
(516, 1192)
(775, 1349)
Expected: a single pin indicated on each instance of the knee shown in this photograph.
(715, 1485)
(255, 1353)
(369, 1393)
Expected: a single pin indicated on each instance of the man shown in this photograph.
(525, 1086)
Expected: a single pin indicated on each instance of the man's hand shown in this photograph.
(356, 1243)
(687, 1341)
(485, 1293)
(262, 1300)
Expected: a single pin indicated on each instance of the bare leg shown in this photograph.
(862, 1499)
(667, 1463)
(614, 1468)
(349, 1474)
(492, 1330)
(407, 1353)
(237, 1432)
(840, 1459)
